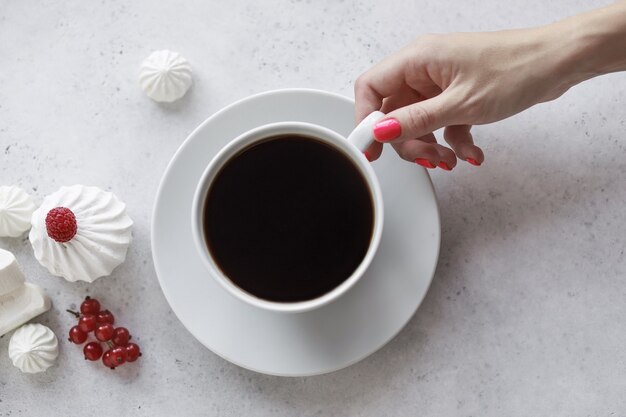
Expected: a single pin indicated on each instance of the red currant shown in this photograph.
(118, 356)
(132, 352)
(92, 351)
(106, 360)
(104, 332)
(87, 323)
(105, 317)
(121, 336)
(77, 335)
(90, 306)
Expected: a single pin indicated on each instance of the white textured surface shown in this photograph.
(526, 312)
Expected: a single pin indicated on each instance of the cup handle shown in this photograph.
(362, 136)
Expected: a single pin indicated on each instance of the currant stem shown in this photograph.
(77, 315)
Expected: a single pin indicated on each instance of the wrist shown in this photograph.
(555, 60)
(591, 44)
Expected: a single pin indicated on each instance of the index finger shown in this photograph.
(382, 80)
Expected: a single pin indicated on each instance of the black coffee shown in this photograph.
(288, 219)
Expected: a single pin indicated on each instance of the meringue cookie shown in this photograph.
(33, 348)
(101, 240)
(16, 208)
(165, 76)
(19, 301)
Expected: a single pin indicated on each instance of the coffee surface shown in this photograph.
(288, 219)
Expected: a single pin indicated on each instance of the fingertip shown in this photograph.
(419, 152)
(425, 163)
(447, 163)
(373, 152)
(474, 155)
(443, 165)
(433, 158)
(387, 130)
(447, 156)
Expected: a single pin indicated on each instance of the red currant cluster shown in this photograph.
(92, 319)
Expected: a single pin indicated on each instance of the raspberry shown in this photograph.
(61, 224)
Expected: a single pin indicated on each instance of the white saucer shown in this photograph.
(323, 340)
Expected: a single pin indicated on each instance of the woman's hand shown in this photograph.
(458, 80)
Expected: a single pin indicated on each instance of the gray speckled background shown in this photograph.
(526, 315)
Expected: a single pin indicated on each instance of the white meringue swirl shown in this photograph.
(33, 348)
(16, 207)
(102, 237)
(165, 76)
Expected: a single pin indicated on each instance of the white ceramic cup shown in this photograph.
(353, 147)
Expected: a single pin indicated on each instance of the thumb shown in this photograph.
(415, 120)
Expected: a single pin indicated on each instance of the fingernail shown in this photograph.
(387, 129)
(444, 166)
(472, 161)
(367, 156)
(424, 162)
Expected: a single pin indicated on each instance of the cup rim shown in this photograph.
(256, 135)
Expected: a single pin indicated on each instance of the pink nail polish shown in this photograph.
(444, 166)
(424, 162)
(387, 129)
(472, 161)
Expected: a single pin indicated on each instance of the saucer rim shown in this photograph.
(155, 210)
